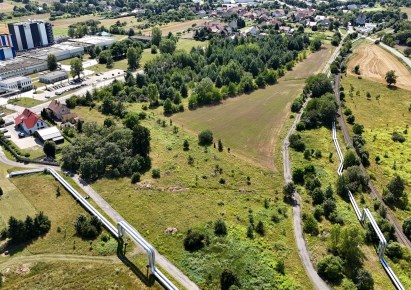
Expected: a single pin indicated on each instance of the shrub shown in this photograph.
(135, 178)
(406, 227)
(350, 119)
(260, 228)
(397, 137)
(296, 143)
(394, 250)
(155, 173)
(364, 280)
(220, 228)
(194, 241)
(87, 228)
(186, 145)
(330, 268)
(300, 126)
(358, 129)
(310, 225)
(205, 138)
(298, 176)
(228, 280)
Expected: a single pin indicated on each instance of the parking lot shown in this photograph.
(22, 143)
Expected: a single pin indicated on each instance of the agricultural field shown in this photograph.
(380, 119)
(250, 124)
(325, 167)
(174, 27)
(374, 62)
(193, 196)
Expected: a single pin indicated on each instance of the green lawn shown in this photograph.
(25, 102)
(187, 44)
(380, 119)
(89, 115)
(191, 196)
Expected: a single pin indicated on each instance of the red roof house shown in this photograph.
(29, 122)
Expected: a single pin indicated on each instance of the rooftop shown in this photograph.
(54, 73)
(93, 39)
(51, 133)
(29, 21)
(14, 79)
(18, 63)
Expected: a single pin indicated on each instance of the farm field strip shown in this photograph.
(375, 61)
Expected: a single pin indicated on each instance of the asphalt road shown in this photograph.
(394, 52)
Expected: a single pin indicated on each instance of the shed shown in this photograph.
(51, 133)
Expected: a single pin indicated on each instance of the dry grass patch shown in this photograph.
(374, 62)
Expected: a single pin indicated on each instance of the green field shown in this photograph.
(192, 196)
(407, 10)
(250, 124)
(380, 119)
(25, 102)
(320, 139)
(60, 258)
(72, 274)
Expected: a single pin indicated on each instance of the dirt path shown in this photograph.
(58, 257)
(347, 138)
(375, 61)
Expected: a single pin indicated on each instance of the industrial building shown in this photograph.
(93, 41)
(31, 34)
(21, 66)
(16, 84)
(52, 77)
(7, 49)
(61, 51)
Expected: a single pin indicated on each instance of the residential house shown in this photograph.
(60, 111)
(278, 13)
(29, 122)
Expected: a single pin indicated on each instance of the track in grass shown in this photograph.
(249, 124)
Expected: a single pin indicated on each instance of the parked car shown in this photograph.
(7, 135)
(4, 130)
(21, 135)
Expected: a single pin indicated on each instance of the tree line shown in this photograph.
(20, 231)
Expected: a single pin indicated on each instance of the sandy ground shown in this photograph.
(374, 62)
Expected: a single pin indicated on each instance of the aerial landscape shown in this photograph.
(189, 144)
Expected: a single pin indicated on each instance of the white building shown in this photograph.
(29, 122)
(16, 83)
(21, 66)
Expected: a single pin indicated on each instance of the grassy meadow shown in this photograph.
(195, 196)
(380, 119)
(250, 124)
(321, 139)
